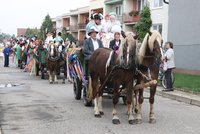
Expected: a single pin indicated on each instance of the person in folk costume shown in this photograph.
(15, 52)
(95, 20)
(20, 49)
(48, 39)
(105, 31)
(116, 42)
(58, 38)
(36, 56)
(18, 53)
(106, 24)
(42, 54)
(113, 22)
(32, 52)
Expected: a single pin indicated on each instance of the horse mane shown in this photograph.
(142, 49)
(149, 40)
(121, 48)
(155, 35)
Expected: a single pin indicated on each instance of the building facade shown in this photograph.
(184, 32)
(160, 16)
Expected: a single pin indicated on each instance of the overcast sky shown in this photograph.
(30, 13)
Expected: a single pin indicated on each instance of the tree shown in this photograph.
(47, 25)
(30, 32)
(145, 23)
(66, 34)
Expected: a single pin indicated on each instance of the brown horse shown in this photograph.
(149, 59)
(52, 63)
(121, 74)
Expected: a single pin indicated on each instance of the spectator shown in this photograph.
(6, 52)
(169, 58)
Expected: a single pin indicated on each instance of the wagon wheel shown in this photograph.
(77, 88)
(164, 83)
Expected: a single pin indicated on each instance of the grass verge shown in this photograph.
(187, 82)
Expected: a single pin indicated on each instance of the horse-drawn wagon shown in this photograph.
(81, 84)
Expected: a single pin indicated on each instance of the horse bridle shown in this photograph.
(51, 57)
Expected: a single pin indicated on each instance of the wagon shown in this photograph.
(76, 71)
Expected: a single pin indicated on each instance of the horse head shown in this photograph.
(52, 50)
(151, 46)
(127, 49)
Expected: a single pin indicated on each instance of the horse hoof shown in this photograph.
(97, 115)
(131, 122)
(63, 82)
(115, 121)
(138, 121)
(51, 82)
(152, 121)
(101, 113)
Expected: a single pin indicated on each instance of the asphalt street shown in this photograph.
(33, 106)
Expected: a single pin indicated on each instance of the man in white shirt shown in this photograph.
(92, 43)
(89, 46)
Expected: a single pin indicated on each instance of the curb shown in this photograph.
(180, 96)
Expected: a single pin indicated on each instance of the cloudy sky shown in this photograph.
(30, 13)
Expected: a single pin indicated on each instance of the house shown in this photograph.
(22, 31)
(125, 11)
(159, 17)
(97, 6)
(183, 31)
(66, 21)
(130, 14)
(115, 6)
(74, 23)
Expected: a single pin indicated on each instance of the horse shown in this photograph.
(149, 58)
(121, 73)
(56, 62)
(62, 63)
(52, 62)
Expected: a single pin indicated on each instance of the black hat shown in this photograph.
(97, 17)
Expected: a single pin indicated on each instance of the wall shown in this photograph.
(160, 15)
(184, 25)
(96, 4)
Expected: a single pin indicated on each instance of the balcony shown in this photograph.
(130, 19)
(74, 28)
(113, 1)
(82, 25)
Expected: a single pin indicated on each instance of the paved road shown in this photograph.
(36, 107)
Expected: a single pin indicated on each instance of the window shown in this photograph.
(118, 10)
(141, 4)
(158, 27)
(158, 3)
